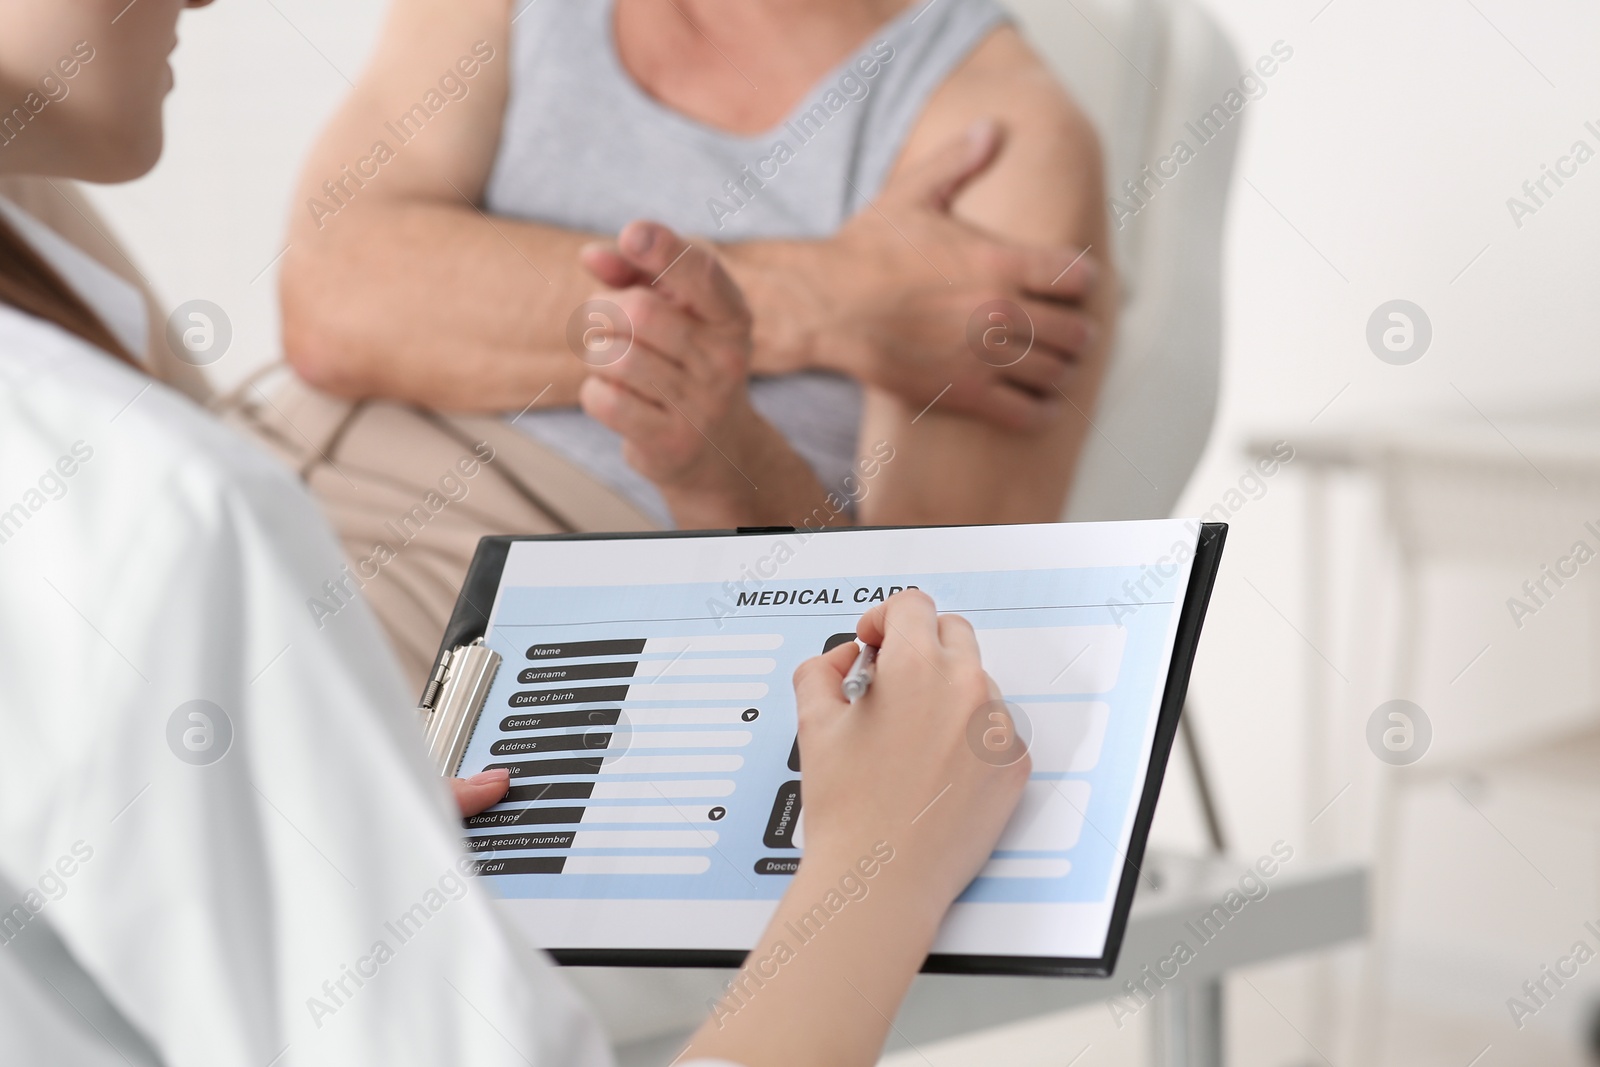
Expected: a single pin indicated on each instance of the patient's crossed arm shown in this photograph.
(410, 291)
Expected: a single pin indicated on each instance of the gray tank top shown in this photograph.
(584, 147)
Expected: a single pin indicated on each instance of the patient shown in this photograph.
(874, 175)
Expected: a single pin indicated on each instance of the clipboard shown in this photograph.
(467, 670)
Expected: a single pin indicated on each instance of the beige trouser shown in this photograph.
(411, 491)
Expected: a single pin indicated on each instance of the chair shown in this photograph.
(1141, 69)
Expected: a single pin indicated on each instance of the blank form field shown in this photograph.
(678, 790)
(1049, 818)
(685, 739)
(715, 643)
(672, 765)
(646, 813)
(688, 716)
(636, 865)
(1053, 659)
(1066, 738)
(645, 839)
(690, 667)
(697, 691)
(1023, 867)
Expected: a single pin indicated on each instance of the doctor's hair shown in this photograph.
(29, 284)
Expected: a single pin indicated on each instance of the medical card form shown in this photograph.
(643, 706)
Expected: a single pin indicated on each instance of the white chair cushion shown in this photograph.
(1141, 69)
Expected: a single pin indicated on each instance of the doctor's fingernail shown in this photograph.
(499, 775)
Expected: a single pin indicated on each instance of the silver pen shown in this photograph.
(859, 677)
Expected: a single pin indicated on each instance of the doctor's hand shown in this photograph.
(901, 765)
(481, 791)
(900, 813)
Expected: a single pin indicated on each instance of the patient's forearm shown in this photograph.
(430, 303)
(761, 481)
(951, 468)
(955, 469)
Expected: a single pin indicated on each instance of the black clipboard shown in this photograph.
(470, 620)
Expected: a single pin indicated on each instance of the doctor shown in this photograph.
(211, 810)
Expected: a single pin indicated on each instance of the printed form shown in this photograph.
(645, 712)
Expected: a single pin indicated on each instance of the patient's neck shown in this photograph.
(795, 9)
(738, 65)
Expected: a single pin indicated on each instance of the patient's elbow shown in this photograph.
(318, 341)
(330, 373)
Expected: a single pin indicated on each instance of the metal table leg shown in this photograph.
(1188, 1026)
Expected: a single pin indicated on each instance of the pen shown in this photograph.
(859, 677)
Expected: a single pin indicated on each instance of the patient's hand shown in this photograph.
(679, 395)
(896, 290)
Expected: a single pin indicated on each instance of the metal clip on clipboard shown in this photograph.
(454, 700)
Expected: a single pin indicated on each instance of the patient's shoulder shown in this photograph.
(1005, 75)
(1052, 154)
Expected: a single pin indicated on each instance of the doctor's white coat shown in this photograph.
(219, 841)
